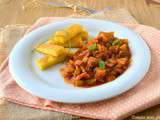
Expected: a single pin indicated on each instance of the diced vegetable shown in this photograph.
(82, 76)
(92, 47)
(106, 36)
(101, 64)
(100, 73)
(124, 41)
(111, 62)
(77, 71)
(78, 62)
(101, 48)
(92, 61)
(122, 61)
(111, 78)
(100, 60)
(85, 59)
(91, 42)
(69, 70)
(117, 42)
(123, 54)
(123, 47)
(114, 49)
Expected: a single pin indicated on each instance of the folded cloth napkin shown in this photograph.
(142, 96)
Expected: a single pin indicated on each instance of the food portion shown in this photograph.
(53, 54)
(51, 49)
(56, 50)
(99, 61)
(48, 61)
(73, 36)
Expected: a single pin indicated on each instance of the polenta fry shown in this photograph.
(73, 30)
(75, 42)
(56, 49)
(51, 49)
(48, 61)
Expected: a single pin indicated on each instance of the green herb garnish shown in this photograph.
(92, 47)
(101, 64)
(116, 42)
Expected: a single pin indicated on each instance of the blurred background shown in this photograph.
(27, 11)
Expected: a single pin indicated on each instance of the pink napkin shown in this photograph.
(142, 96)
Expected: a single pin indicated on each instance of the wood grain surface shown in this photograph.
(11, 11)
(145, 11)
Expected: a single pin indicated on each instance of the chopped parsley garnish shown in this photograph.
(92, 47)
(101, 64)
(117, 42)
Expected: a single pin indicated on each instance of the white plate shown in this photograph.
(49, 84)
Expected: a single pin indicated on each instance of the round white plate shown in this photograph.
(49, 84)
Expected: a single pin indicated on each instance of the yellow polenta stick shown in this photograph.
(73, 30)
(58, 41)
(59, 37)
(48, 61)
(50, 49)
(72, 36)
(75, 42)
(63, 36)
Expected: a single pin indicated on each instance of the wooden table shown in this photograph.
(145, 11)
